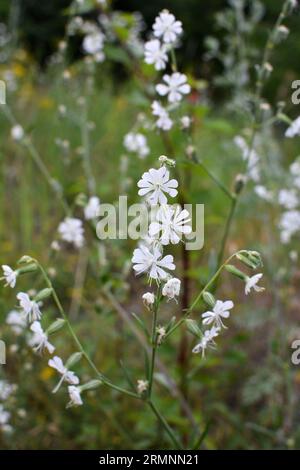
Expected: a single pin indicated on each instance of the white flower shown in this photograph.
(155, 54)
(288, 198)
(93, 43)
(71, 230)
(40, 339)
(4, 419)
(167, 27)
(16, 321)
(157, 182)
(30, 308)
(172, 288)
(185, 122)
(164, 121)
(207, 340)
(66, 375)
(17, 132)
(172, 223)
(10, 275)
(289, 225)
(6, 389)
(91, 210)
(175, 86)
(142, 386)
(75, 397)
(145, 260)
(251, 283)
(220, 310)
(148, 298)
(161, 331)
(137, 143)
(294, 128)
(263, 193)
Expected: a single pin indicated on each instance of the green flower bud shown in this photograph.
(56, 326)
(92, 384)
(208, 299)
(43, 294)
(73, 359)
(193, 328)
(236, 272)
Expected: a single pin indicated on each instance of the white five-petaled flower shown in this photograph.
(75, 397)
(39, 341)
(30, 308)
(155, 183)
(220, 310)
(151, 261)
(171, 224)
(164, 121)
(251, 283)
(175, 86)
(93, 43)
(155, 53)
(137, 143)
(294, 128)
(66, 375)
(16, 321)
(10, 275)
(148, 298)
(17, 132)
(72, 231)
(206, 340)
(172, 288)
(167, 27)
(92, 209)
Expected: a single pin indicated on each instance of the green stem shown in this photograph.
(91, 183)
(78, 343)
(153, 343)
(165, 425)
(227, 230)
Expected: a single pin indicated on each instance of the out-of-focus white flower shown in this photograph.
(148, 298)
(39, 341)
(220, 310)
(29, 307)
(6, 389)
(155, 53)
(151, 261)
(93, 43)
(17, 132)
(171, 223)
(250, 156)
(75, 397)
(55, 245)
(251, 283)
(167, 27)
(164, 121)
(72, 231)
(161, 332)
(142, 386)
(4, 420)
(294, 128)
(172, 288)
(16, 321)
(10, 275)
(207, 340)
(137, 143)
(92, 209)
(155, 183)
(66, 375)
(289, 224)
(185, 121)
(263, 193)
(288, 198)
(175, 87)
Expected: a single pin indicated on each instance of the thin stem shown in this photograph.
(54, 184)
(165, 425)
(215, 179)
(227, 230)
(77, 341)
(153, 343)
(197, 299)
(86, 153)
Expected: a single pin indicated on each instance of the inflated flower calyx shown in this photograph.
(56, 326)
(91, 385)
(250, 258)
(73, 359)
(26, 259)
(208, 299)
(235, 271)
(193, 328)
(43, 294)
(30, 268)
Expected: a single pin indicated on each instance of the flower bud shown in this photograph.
(92, 384)
(26, 259)
(236, 272)
(208, 299)
(28, 269)
(239, 183)
(55, 326)
(193, 328)
(73, 359)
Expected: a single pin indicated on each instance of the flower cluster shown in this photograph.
(7, 391)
